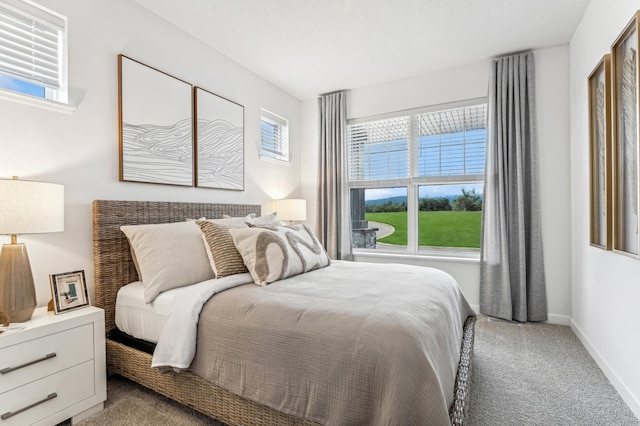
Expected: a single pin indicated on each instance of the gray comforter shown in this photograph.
(350, 344)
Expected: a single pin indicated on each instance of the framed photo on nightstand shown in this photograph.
(69, 291)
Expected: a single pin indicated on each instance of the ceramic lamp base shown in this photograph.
(17, 290)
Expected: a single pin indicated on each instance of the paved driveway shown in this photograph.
(383, 229)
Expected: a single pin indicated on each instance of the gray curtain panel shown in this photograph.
(334, 224)
(512, 281)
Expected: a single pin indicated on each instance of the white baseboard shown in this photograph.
(551, 318)
(617, 383)
(559, 319)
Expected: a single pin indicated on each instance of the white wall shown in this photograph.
(552, 80)
(81, 150)
(605, 288)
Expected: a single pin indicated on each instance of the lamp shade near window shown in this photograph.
(26, 207)
(291, 209)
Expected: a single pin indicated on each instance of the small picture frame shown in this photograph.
(69, 291)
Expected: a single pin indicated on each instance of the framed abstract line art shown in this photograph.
(624, 59)
(600, 154)
(156, 125)
(69, 291)
(219, 141)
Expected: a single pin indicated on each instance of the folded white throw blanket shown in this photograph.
(177, 343)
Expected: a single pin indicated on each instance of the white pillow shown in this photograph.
(274, 252)
(251, 218)
(168, 255)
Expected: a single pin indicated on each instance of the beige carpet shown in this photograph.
(523, 374)
(131, 404)
(539, 374)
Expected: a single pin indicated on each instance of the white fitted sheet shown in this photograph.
(143, 320)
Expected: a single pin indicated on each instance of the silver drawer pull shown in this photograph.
(9, 414)
(44, 358)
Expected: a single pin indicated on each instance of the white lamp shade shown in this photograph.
(291, 209)
(28, 207)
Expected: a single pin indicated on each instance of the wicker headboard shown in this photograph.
(111, 254)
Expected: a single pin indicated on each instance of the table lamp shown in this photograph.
(26, 207)
(291, 209)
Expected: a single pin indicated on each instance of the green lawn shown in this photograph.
(436, 229)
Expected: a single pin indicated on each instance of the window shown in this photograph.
(416, 180)
(274, 136)
(33, 50)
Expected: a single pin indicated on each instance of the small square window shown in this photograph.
(33, 51)
(274, 136)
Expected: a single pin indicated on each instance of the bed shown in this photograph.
(114, 268)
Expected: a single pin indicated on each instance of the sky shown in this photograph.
(431, 191)
(21, 86)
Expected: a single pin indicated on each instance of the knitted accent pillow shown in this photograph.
(274, 252)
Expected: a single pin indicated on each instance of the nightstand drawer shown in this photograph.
(40, 399)
(31, 360)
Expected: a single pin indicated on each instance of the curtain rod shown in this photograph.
(335, 91)
(506, 55)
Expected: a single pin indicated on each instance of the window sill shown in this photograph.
(37, 102)
(275, 161)
(463, 258)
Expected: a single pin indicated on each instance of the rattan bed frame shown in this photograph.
(114, 268)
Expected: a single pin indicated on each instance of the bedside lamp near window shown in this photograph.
(291, 209)
(26, 207)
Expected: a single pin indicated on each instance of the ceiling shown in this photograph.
(309, 47)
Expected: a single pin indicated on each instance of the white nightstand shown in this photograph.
(54, 369)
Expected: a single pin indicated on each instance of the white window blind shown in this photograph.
(378, 149)
(32, 44)
(274, 137)
(436, 146)
(452, 143)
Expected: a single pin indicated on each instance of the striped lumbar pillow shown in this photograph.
(223, 255)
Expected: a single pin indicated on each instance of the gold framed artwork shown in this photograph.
(69, 290)
(219, 141)
(156, 125)
(173, 133)
(624, 60)
(600, 154)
